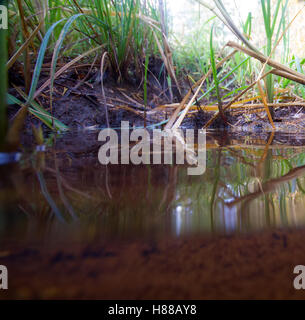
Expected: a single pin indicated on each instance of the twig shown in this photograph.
(280, 69)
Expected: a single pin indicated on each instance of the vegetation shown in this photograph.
(132, 31)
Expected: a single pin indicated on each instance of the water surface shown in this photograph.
(251, 183)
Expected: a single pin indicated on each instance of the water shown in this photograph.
(251, 183)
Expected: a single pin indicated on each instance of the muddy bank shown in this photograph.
(83, 104)
(200, 267)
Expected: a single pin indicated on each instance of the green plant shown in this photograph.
(191, 51)
(121, 28)
(270, 22)
(215, 77)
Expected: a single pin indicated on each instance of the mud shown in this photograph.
(258, 266)
(80, 102)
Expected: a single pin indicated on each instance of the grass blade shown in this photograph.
(39, 61)
(214, 70)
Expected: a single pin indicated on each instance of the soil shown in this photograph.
(79, 102)
(257, 266)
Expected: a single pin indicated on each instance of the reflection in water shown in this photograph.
(248, 185)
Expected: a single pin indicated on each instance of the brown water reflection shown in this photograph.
(65, 194)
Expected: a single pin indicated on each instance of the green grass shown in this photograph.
(118, 25)
(215, 76)
(272, 34)
(71, 28)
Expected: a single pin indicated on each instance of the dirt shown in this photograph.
(257, 266)
(80, 102)
(78, 99)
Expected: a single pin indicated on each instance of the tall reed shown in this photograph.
(118, 24)
(215, 76)
(270, 22)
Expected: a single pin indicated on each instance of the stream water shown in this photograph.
(64, 194)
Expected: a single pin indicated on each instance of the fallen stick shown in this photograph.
(279, 69)
(236, 106)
